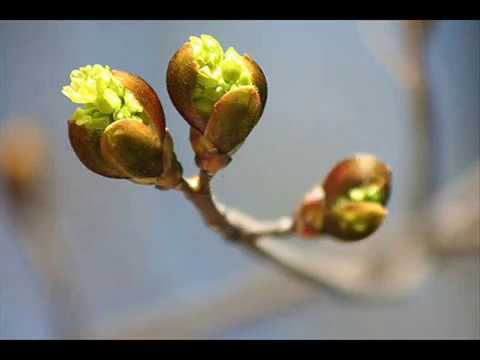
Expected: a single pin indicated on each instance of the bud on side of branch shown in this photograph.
(356, 192)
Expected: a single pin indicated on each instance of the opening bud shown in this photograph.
(221, 95)
(356, 192)
(119, 131)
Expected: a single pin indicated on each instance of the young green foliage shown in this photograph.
(104, 97)
(218, 73)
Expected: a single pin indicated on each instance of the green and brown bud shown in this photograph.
(221, 95)
(309, 218)
(356, 192)
(120, 132)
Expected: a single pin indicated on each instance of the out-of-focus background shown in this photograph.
(93, 257)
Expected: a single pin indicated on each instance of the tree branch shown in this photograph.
(231, 224)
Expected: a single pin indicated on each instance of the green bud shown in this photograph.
(357, 190)
(221, 95)
(112, 96)
(200, 66)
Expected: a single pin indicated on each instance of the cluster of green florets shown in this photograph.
(219, 72)
(104, 97)
(349, 217)
(369, 193)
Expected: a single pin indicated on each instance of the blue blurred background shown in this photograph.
(130, 247)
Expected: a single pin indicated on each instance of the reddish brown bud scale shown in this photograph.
(361, 169)
(86, 145)
(147, 97)
(258, 79)
(181, 80)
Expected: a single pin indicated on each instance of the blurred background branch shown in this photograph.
(31, 199)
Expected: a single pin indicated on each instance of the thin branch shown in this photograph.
(231, 224)
(373, 276)
(261, 239)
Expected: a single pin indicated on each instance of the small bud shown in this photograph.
(221, 95)
(309, 218)
(356, 192)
